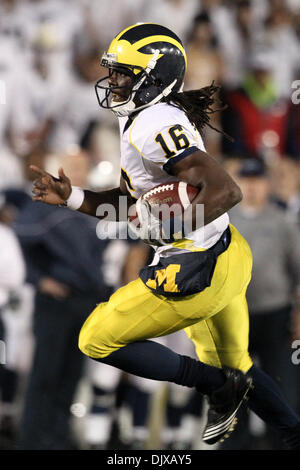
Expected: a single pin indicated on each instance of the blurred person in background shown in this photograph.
(14, 22)
(256, 116)
(37, 36)
(234, 25)
(273, 293)
(95, 24)
(68, 280)
(244, 27)
(43, 90)
(205, 66)
(103, 382)
(278, 36)
(17, 315)
(78, 119)
(175, 14)
(12, 123)
(296, 21)
(286, 194)
(285, 179)
(18, 196)
(12, 274)
(57, 18)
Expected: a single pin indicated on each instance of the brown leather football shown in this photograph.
(168, 199)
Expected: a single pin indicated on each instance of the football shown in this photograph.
(167, 200)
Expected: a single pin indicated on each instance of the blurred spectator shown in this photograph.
(78, 119)
(56, 19)
(273, 291)
(18, 196)
(279, 38)
(205, 61)
(234, 26)
(205, 66)
(12, 274)
(296, 22)
(100, 25)
(44, 90)
(174, 14)
(285, 176)
(256, 116)
(13, 16)
(12, 99)
(63, 256)
(103, 381)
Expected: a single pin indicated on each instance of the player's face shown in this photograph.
(121, 80)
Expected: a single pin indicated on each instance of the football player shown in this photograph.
(197, 280)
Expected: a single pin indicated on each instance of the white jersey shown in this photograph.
(12, 266)
(157, 138)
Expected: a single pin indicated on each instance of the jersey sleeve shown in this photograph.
(167, 141)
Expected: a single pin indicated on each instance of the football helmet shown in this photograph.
(153, 56)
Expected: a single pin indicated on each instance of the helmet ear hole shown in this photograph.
(158, 82)
(147, 94)
(152, 82)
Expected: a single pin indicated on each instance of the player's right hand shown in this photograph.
(47, 188)
(150, 227)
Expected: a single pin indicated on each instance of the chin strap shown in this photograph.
(130, 107)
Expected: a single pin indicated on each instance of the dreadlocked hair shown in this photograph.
(197, 105)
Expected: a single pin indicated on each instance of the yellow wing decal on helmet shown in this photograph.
(128, 54)
(159, 38)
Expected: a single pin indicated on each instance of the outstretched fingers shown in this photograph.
(38, 170)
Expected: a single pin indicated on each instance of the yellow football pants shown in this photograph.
(216, 319)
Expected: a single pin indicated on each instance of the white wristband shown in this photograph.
(75, 199)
